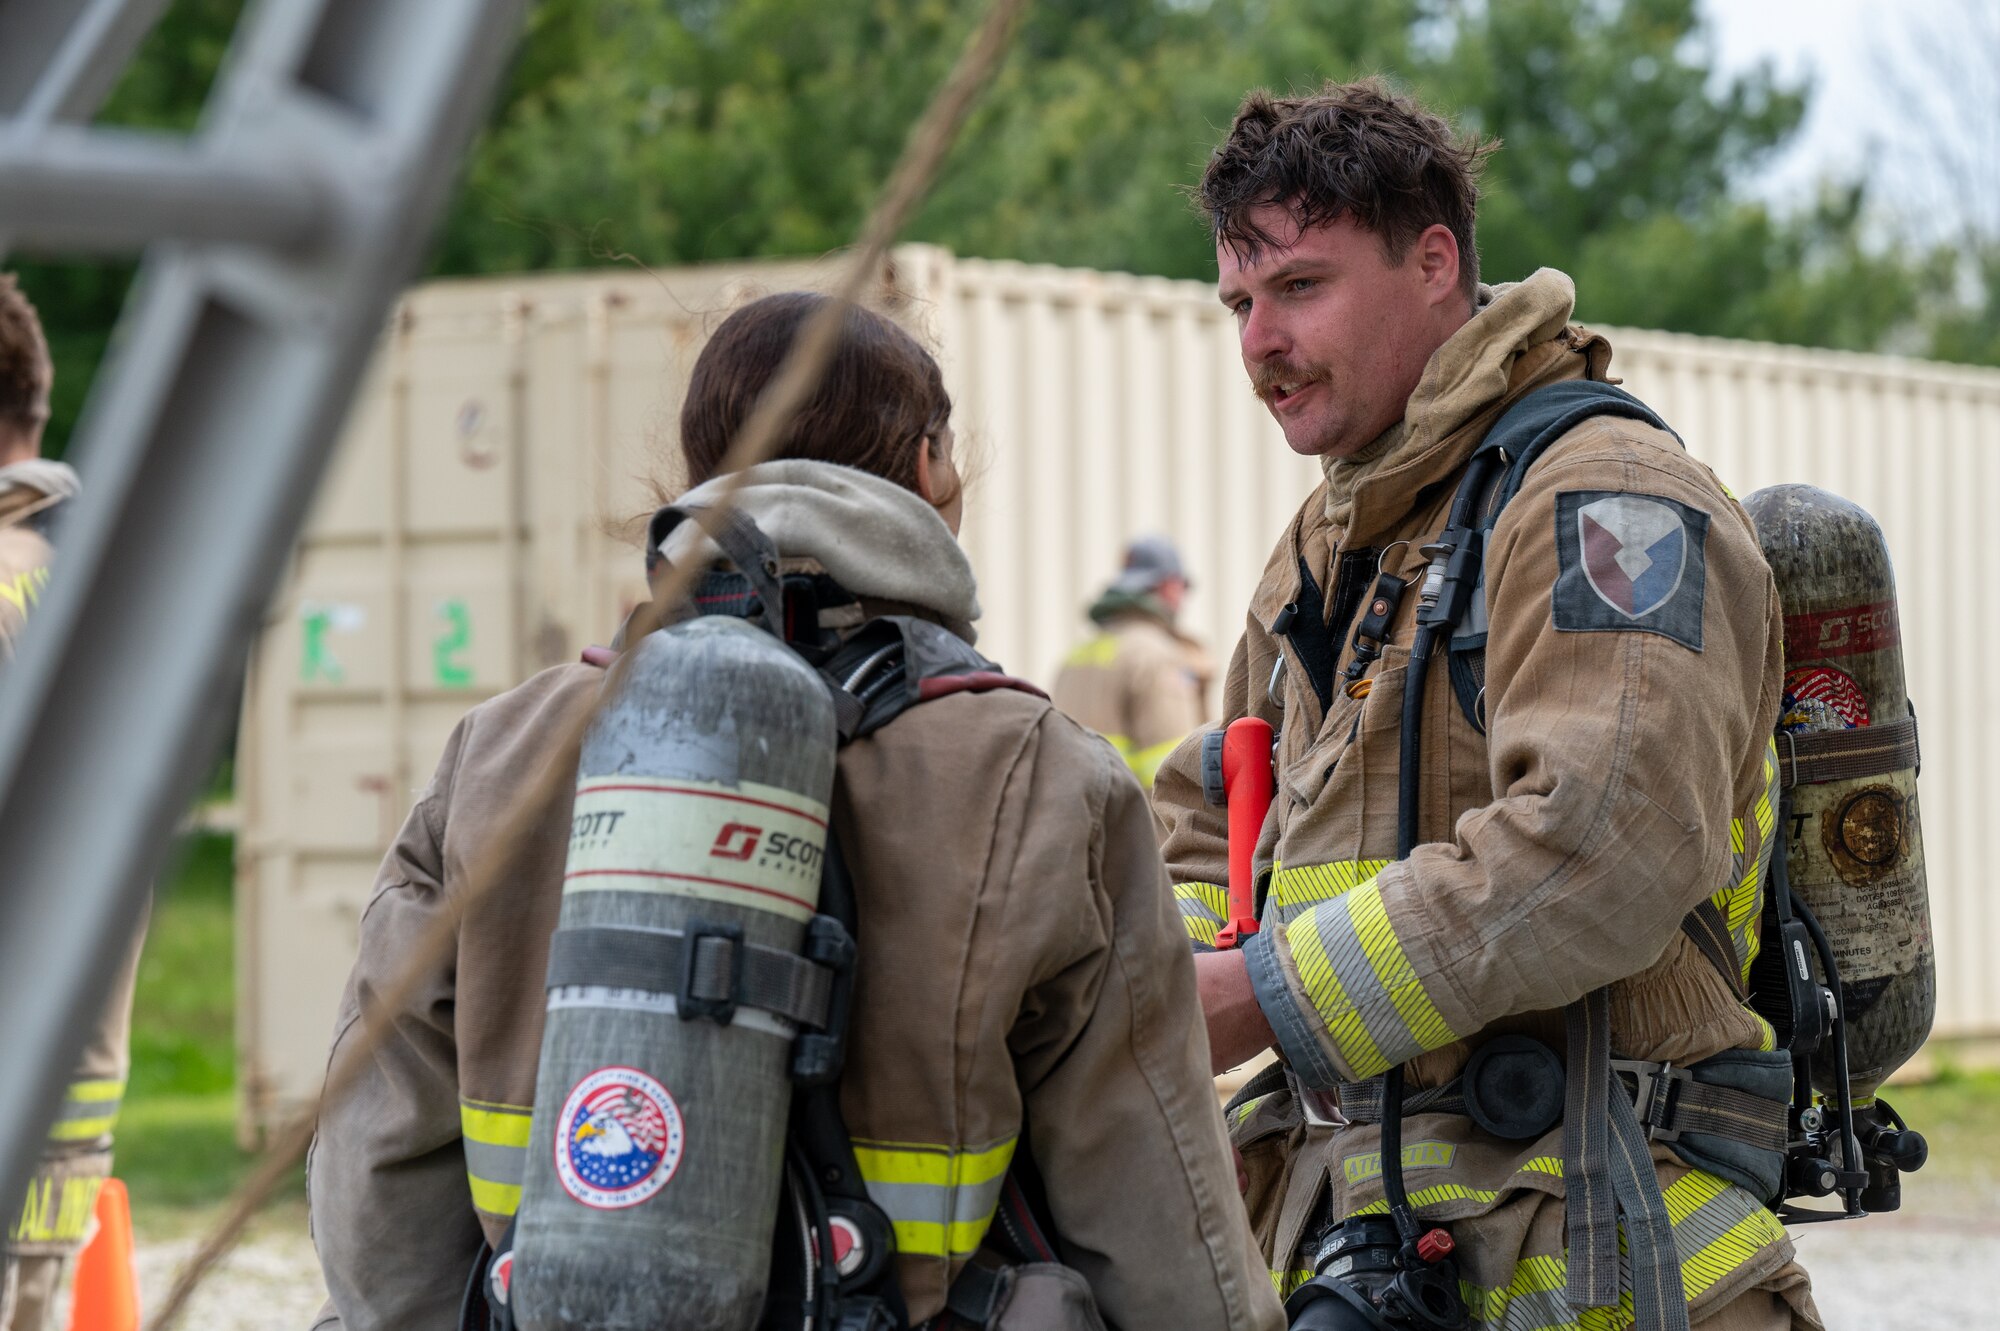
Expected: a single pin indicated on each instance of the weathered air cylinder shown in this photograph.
(1853, 836)
(657, 1146)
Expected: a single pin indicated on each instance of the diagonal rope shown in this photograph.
(930, 142)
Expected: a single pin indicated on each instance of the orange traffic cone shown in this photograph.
(105, 1296)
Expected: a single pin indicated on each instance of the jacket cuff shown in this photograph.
(1296, 1040)
(1204, 909)
(1350, 968)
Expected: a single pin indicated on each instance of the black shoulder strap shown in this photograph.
(1522, 434)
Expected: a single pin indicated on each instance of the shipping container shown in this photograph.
(475, 527)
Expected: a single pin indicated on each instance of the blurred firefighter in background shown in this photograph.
(47, 1227)
(1139, 681)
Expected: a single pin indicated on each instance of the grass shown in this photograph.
(1958, 1112)
(176, 1147)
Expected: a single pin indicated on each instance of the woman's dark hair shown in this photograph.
(881, 396)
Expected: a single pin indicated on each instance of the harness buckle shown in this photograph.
(711, 1004)
(1654, 1088)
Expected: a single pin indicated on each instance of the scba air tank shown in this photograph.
(657, 1146)
(1854, 838)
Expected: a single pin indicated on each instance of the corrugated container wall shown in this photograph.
(468, 536)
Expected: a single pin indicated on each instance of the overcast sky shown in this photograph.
(1836, 39)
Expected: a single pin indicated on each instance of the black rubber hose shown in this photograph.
(1850, 1148)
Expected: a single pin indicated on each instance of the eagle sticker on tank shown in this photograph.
(618, 1140)
(1630, 562)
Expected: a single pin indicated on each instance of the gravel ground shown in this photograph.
(270, 1283)
(1888, 1273)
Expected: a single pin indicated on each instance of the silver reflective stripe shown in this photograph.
(1372, 1002)
(496, 1164)
(644, 1000)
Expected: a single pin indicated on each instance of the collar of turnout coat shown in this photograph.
(1519, 338)
(876, 539)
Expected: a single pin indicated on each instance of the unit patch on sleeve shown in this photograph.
(1630, 562)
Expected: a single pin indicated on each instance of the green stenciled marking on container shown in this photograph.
(452, 643)
(317, 660)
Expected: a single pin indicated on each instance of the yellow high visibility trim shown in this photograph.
(940, 1201)
(1146, 763)
(97, 1092)
(1204, 907)
(1310, 884)
(494, 1198)
(496, 1126)
(1100, 651)
(1330, 1000)
(935, 1166)
(82, 1129)
(1551, 1165)
(1532, 1299)
(922, 1238)
(1767, 1038)
(1393, 969)
(1285, 1282)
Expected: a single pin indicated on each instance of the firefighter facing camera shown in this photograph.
(1585, 911)
(840, 989)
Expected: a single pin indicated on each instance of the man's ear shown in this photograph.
(1437, 261)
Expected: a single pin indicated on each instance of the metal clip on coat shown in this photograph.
(1247, 785)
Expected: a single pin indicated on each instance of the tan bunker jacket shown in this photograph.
(1624, 776)
(1137, 683)
(1024, 986)
(54, 1217)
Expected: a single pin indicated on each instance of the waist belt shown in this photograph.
(1668, 1101)
(1726, 1115)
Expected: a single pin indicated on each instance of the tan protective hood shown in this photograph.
(877, 539)
(1519, 338)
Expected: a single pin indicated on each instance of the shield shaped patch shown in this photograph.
(1630, 562)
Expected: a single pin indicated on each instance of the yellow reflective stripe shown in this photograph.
(1361, 982)
(940, 1201)
(1717, 1230)
(1741, 900)
(1145, 763)
(1310, 884)
(938, 1166)
(1101, 650)
(89, 1110)
(495, 1125)
(494, 1198)
(1329, 998)
(82, 1129)
(1204, 908)
(1285, 1282)
(1393, 969)
(496, 1152)
(1550, 1165)
(1767, 1034)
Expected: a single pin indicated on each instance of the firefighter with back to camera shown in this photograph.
(1507, 891)
(49, 1226)
(1139, 681)
(585, 1107)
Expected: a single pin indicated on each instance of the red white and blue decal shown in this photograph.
(619, 1139)
(1630, 561)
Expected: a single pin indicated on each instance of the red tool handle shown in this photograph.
(1247, 784)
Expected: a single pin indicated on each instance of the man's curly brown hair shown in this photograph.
(1359, 150)
(25, 369)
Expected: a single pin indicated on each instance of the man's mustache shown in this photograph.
(1266, 376)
